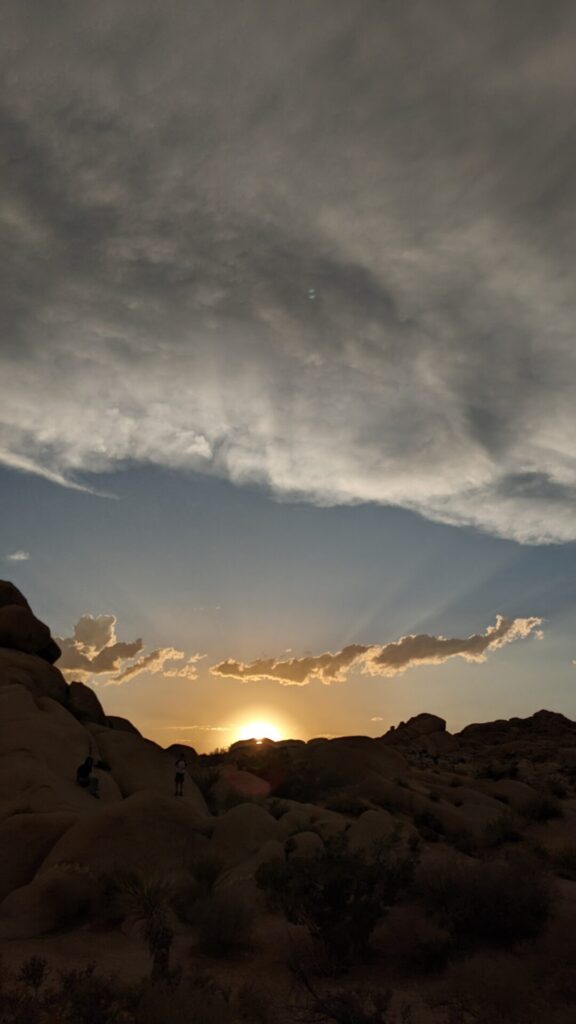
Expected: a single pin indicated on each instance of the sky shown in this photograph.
(288, 419)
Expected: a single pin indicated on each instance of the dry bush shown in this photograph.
(493, 989)
(340, 895)
(503, 829)
(492, 902)
(225, 924)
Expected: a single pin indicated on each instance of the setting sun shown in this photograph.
(259, 730)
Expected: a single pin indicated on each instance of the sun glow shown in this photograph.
(259, 730)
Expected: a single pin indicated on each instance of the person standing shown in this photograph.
(179, 776)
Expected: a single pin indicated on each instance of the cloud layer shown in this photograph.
(94, 653)
(390, 659)
(324, 247)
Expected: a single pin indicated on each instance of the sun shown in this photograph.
(259, 730)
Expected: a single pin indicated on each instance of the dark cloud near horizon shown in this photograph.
(176, 181)
(389, 659)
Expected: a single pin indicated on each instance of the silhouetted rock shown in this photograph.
(20, 630)
(84, 704)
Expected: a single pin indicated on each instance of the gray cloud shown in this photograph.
(389, 659)
(179, 179)
(94, 651)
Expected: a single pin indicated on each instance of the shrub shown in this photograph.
(339, 895)
(494, 902)
(145, 900)
(225, 924)
(33, 973)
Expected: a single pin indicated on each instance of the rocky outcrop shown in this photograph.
(20, 630)
(84, 704)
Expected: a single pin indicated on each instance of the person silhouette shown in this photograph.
(180, 766)
(85, 777)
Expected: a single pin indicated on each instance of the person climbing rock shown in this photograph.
(179, 776)
(85, 777)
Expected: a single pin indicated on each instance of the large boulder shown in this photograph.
(19, 627)
(370, 829)
(25, 841)
(30, 671)
(84, 704)
(9, 594)
(145, 832)
(242, 831)
(58, 899)
(41, 746)
(235, 784)
(138, 764)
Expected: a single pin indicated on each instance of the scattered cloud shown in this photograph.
(18, 556)
(389, 659)
(200, 728)
(377, 718)
(94, 653)
(328, 668)
(434, 369)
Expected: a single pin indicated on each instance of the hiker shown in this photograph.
(86, 779)
(179, 776)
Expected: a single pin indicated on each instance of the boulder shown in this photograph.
(237, 784)
(304, 845)
(41, 746)
(369, 829)
(310, 818)
(22, 631)
(242, 831)
(30, 671)
(84, 704)
(9, 594)
(144, 832)
(138, 764)
(25, 841)
(115, 722)
(58, 899)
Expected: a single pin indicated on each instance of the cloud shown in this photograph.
(182, 185)
(394, 658)
(328, 668)
(200, 728)
(389, 659)
(94, 651)
(18, 556)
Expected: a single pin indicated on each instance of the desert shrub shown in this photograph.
(564, 861)
(358, 1005)
(33, 973)
(501, 830)
(225, 924)
(339, 895)
(84, 997)
(145, 900)
(495, 902)
(542, 808)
